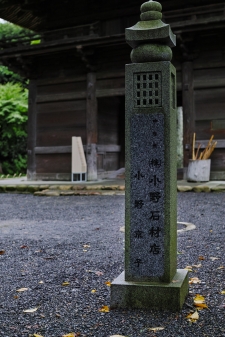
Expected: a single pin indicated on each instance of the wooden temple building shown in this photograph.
(76, 72)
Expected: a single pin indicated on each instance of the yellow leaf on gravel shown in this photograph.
(93, 291)
(35, 335)
(223, 292)
(193, 317)
(72, 334)
(199, 298)
(22, 289)
(108, 283)
(194, 280)
(65, 284)
(200, 305)
(189, 268)
(105, 308)
(156, 329)
(31, 310)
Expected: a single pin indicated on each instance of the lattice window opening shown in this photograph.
(147, 89)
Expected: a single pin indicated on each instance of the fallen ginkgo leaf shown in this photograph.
(35, 335)
(22, 289)
(156, 329)
(93, 291)
(105, 308)
(199, 302)
(197, 265)
(31, 310)
(214, 258)
(189, 268)
(199, 298)
(65, 283)
(201, 306)
(223, 292)
(194, 280)
(108, 283)
(193, 317)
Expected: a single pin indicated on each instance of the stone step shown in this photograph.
(69, 190)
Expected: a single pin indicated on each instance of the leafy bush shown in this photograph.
(7, 75)
(13, 122)
(9, 31)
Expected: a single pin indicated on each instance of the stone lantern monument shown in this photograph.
(151, 278)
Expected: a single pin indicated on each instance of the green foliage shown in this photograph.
(13, 121)
(9, 31)
(7, 75)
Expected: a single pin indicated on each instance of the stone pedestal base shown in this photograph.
(144, 295)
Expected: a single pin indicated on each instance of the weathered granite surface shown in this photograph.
(159, 296)
(151, 189)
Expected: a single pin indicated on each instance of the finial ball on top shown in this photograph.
(151, 10)
(151, 6)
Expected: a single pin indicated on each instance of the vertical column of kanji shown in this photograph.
(147, 196)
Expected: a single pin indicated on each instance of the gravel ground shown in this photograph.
(48, 241)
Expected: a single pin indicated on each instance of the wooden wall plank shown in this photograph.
(108, 111)
(218, 160)
(60, 88)
(53, 163)
(59, 136)
(111, 83)
(78, 105)
(69, 96)
(62, 119)
(209, 78)
(209, 103)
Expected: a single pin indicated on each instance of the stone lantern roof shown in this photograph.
(150, 31)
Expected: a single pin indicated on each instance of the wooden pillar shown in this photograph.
(188, 108)
(91, 127)
(32, 129)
